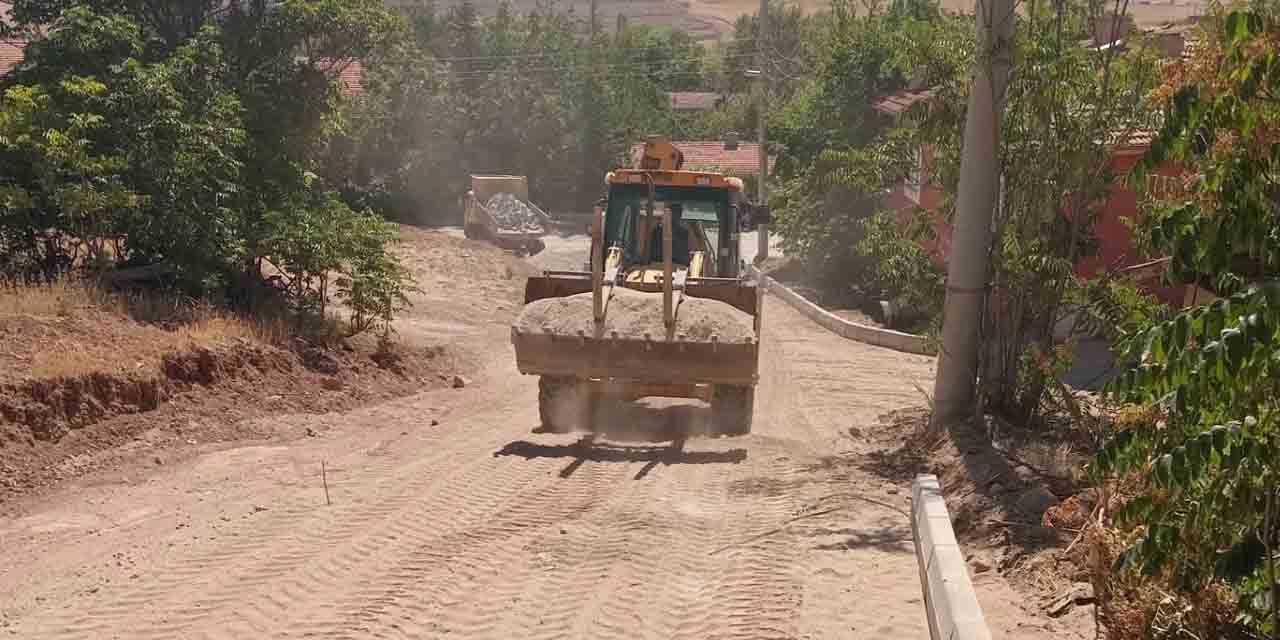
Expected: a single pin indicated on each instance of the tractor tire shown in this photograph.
(565, 405)
(732, 409)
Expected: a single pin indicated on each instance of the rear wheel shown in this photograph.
(732, 409)
(564, 405)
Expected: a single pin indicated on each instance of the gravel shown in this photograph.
(512, 214)
(633, 313)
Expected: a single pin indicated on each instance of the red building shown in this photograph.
(11, 51)
(1116, 255)
(740, 160)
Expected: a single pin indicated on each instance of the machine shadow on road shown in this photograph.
(589, 450)
(636, 432)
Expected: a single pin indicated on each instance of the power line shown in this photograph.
(666, 73)
(617, 66)
(531, 56)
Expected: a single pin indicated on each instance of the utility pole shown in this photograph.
(762, 186)
(591, 135)
(967, 271)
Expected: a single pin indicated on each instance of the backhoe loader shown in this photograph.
(669, 311)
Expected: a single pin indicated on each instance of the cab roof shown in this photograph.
(674, 178)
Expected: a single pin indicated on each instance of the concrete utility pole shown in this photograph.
(762, 186)
(967, 273)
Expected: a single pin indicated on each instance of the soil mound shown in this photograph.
(632, 314)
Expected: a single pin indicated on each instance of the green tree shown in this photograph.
(1210, 511)
(528, 94)
(1067, 107)
(841, 154)
(169, 138)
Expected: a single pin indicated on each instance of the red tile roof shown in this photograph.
(352, 79)
(694, 100)
(712, 156)
(11, 54)
(11, 51)
(899, 102)
(1136, 141)
(348, 73)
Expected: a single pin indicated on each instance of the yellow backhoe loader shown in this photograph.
(664, 310)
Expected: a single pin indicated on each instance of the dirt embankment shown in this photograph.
(1017, 498)
(47, 408)
(86, 385)
(58, 428)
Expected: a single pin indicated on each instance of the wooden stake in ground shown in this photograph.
(324, 478)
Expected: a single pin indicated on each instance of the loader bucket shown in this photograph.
(557, 284)
(662, 358)
(668, 362)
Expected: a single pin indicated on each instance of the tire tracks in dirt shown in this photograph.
(433, 535)
(473, 559)
(277, 543)
(371, 557)
(571, 557)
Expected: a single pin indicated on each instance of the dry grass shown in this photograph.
(72, 329)
(146, 348)
(54, 300)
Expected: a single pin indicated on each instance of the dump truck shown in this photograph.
(665, 309)
(511, 221)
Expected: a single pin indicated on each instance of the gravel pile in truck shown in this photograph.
(632, 314)
(512, 214)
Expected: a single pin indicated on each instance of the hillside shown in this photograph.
(713, 19)
(705, 19)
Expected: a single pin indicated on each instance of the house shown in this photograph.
(349, 74)
(12, 52)
(915, 190)
(742, 161)
(1116, 255)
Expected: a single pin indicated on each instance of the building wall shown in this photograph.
(1114, 232)
(930, 198)
(1115, 237)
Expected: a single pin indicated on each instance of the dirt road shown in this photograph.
(448, 517)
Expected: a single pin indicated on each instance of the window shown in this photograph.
(911, 186)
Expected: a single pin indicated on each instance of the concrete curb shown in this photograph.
(950, 602)
(886, 338)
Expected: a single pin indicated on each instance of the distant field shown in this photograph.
(705, 19)
(713, 19)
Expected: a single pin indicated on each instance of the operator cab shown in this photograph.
(704, 221)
